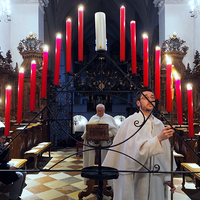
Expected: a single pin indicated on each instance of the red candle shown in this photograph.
(178, 98)
(33, 84)
(145, 60)
(122, 33)
(169, 84)
(157, 73)
(20, 94)
(57, 59)
(7, 110)
(190, 110)
(80, 33)
(68, 45)
(133, 46)
(44, 71)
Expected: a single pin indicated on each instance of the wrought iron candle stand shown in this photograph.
(101, 173)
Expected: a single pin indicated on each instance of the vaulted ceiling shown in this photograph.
(142, 11)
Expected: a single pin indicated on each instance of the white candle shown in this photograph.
(100, 31)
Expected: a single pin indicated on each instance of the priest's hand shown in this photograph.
(173, 188)
(166, 133)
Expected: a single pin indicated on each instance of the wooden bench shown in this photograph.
(192, 167)
(179, 159)
(19, 163)
(38, 151)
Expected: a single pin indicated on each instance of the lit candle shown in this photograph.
(7, 110)
(57, 59)
(44, 71)
(33, 84)
(122, 33)
(178, 98)
(145, 60)
(68, 45)
(157, 73)
(169, 84)
(20, 94)
(100, 31)
(80, 33)
(190, 110)
(133, 46)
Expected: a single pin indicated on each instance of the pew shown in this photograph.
(181, 148)
(19, 163)
(38, 151)
(192, 167)
(32, 135)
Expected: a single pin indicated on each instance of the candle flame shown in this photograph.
(58, 35)
(176, 75)
(80, 8)
(45, 48)
(33, 62)
(21, 70)
(189, 86)
(69, 20)
(8, 87)
(145, 35)
(157, 48)
(122, 6)
(169, 61)
(132, 22)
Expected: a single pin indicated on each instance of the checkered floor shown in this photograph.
(66, 185)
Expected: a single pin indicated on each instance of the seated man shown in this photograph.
(101, 116)
(7, 177)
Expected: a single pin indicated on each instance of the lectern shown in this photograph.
(97, 132)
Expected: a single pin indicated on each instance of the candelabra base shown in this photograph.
(100, 175)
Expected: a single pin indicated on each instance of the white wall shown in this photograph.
(196, 38)
(177, 19)
(174, 16)
(26, 17)
(4, 37)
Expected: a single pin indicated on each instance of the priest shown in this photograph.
(100, 116)
(146, 146)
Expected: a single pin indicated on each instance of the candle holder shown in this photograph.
(122, 63)
(68, 74)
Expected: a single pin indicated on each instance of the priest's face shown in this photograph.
(100, 111)
(144, 104)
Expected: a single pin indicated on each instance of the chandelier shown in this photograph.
(5, 10)
(194, 8)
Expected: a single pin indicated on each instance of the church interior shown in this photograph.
(58, 61)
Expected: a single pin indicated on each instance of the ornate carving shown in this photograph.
(31, 49)
(6, 62)
(31, 43)
(174, 43)
(196, 62)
